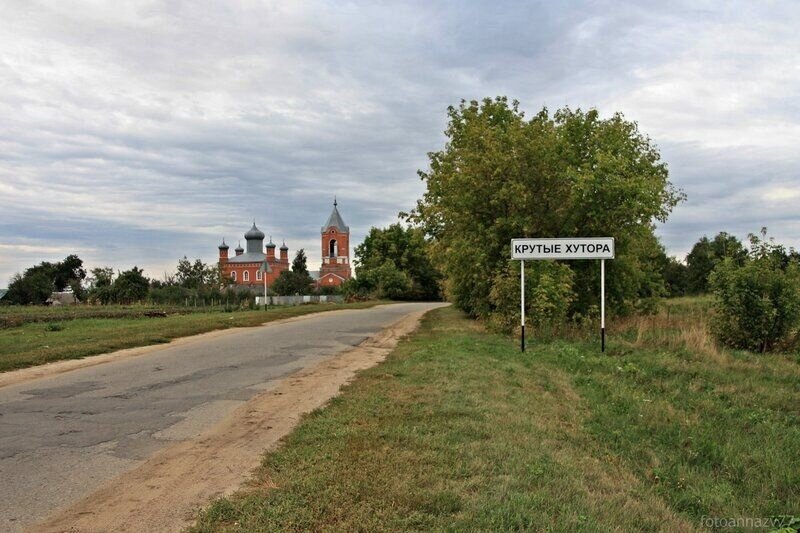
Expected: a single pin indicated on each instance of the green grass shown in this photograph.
(458, 431)
(15, 315)
(68, 337)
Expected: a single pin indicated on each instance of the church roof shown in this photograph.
(254, 233)
(223, 246)
(335, 220)
(249, 257)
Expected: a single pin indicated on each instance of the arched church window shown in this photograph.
(246, 276)
(233, 275)
(332, 248)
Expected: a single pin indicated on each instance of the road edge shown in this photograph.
(23, 375)
(166, 491)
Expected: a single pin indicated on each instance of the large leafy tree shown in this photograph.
(569, 174)
(707, 253)
(195, 275)
(297, 280)
(395, 262)
(38, 282)
(131, 286)
(101, 285)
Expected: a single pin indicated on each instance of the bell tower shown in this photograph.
(335, 237)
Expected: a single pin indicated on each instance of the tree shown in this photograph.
(67, 272)
(407, 250)
(38, 282)
(705, 255)
(101, 285)
(676, 277)
(131, 286)
(296, 281)
(572, 174)
(34, 287)
(757, 301)
(389, 281)
(195, 275)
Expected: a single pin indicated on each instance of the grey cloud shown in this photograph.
(170, 124)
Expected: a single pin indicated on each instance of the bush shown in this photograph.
(758, 301)
(548, 295)
(356, 290)
(389, 281)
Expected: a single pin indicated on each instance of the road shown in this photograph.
(63, 436)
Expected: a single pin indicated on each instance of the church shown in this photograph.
(246, 268)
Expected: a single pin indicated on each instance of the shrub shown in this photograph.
(758, 301)
(548, 295)
(389, 281)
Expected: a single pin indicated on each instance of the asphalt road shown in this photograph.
(63, 436)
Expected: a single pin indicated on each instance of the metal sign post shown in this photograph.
(522, 301)
(264, 269)
(566, 248)
(602, 305)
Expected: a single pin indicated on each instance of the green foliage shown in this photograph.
(34, 287)
(170, 294)
(676, 277)
(101, 285)
(131, 286)
(38, 282)
(67, 272)
(128, 287)
(389, 281)
(757, 301)
(53, 326)
(295, 281)
(197, 275)
(407, 250)
(569, 174)
(357, 289)
(548, 295)
(299, 263)
(706, 254)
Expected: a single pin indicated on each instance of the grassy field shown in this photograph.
(48, 334)
(13, 315)
(459, 431)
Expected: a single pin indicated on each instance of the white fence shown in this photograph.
(298, 300)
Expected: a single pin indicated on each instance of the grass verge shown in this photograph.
(35, 343)
(459, 431)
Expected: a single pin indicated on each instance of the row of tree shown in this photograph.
(693, 275)
(191, 282)
(37, 283)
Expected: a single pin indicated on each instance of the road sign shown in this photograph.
(563, 248)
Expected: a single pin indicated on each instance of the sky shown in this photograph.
(137, 132)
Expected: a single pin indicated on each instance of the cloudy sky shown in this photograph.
(137, 132)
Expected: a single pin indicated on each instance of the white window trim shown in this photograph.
(259, 275)
(233, 275)
(246, 275)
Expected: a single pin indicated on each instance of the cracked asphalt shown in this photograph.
(63, 436)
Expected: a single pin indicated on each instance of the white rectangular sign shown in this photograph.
(563, 248)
